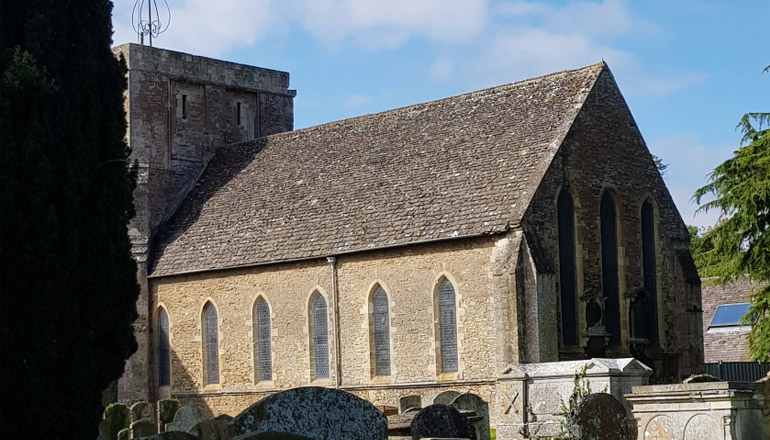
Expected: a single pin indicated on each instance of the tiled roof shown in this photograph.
(461, 166)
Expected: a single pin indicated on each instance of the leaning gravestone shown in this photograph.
(472, 402)
(142, 410)
(315, 412)
(441, 421)
(212, 429)
(601, 417)
(143, 428)
(185, 418)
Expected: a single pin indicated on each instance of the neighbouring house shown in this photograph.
(400, 255)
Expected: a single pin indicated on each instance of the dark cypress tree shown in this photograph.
(68, 280)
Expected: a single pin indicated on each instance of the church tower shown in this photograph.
(180, 109)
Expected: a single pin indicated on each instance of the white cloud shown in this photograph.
(211, 28)
(355, 101)
(690, 163)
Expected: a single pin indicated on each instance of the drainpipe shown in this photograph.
(336, 296)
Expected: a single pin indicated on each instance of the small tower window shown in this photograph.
(184, 106)
(238, 113)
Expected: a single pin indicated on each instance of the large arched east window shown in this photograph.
(567, 272)
(262, 353)
(319, 337)
(447, 323)
(164, 350)
(210, 345)
(650, 272)
(381, 332)
(609, 249)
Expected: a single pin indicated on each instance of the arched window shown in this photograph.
(210, 345)
(609, 249)
(567, 279)
(262, 355)
(381, 330)
(164, 358)
(447, 323)
(319, 337)
(650, 271)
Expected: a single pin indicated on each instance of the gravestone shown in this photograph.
(143, 410)
(271, 435)
(117, 417)
(167, 409)
(212, 429)
(601, 417)
(124, 434)
(315, 412)
(408, 402)
(143, 428)
(185, 418)
(472, 402)
(446, 397)
(441, 421)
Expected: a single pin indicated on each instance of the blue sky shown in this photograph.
(688, 69)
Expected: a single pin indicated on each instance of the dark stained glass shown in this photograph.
(447, 322)
(381, 333)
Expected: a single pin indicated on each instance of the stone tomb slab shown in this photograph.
(441, 421)
(314, 412)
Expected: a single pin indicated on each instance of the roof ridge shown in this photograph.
(599, 66)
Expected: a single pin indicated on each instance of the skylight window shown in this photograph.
(729, 315)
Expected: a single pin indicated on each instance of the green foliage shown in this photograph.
(739, 244)
(67, 278)
(119, 417)
(711, 267)
(167, 409)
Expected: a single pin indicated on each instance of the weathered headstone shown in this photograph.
(446, 397)
(124, 434)
(271, 435)
(143, 428)
(185, 418)
(117, 417)
(212, 429)
(318, 413)
(601, 417)
(167, 409)
(475, 403)
(408, 402)
(441, 421)
(142, 410)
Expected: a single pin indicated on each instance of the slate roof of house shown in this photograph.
(456, 167)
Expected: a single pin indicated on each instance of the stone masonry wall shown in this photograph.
(409, 275)
(605, 152)
(180, 108)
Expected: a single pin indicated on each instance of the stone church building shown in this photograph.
(398, 255)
